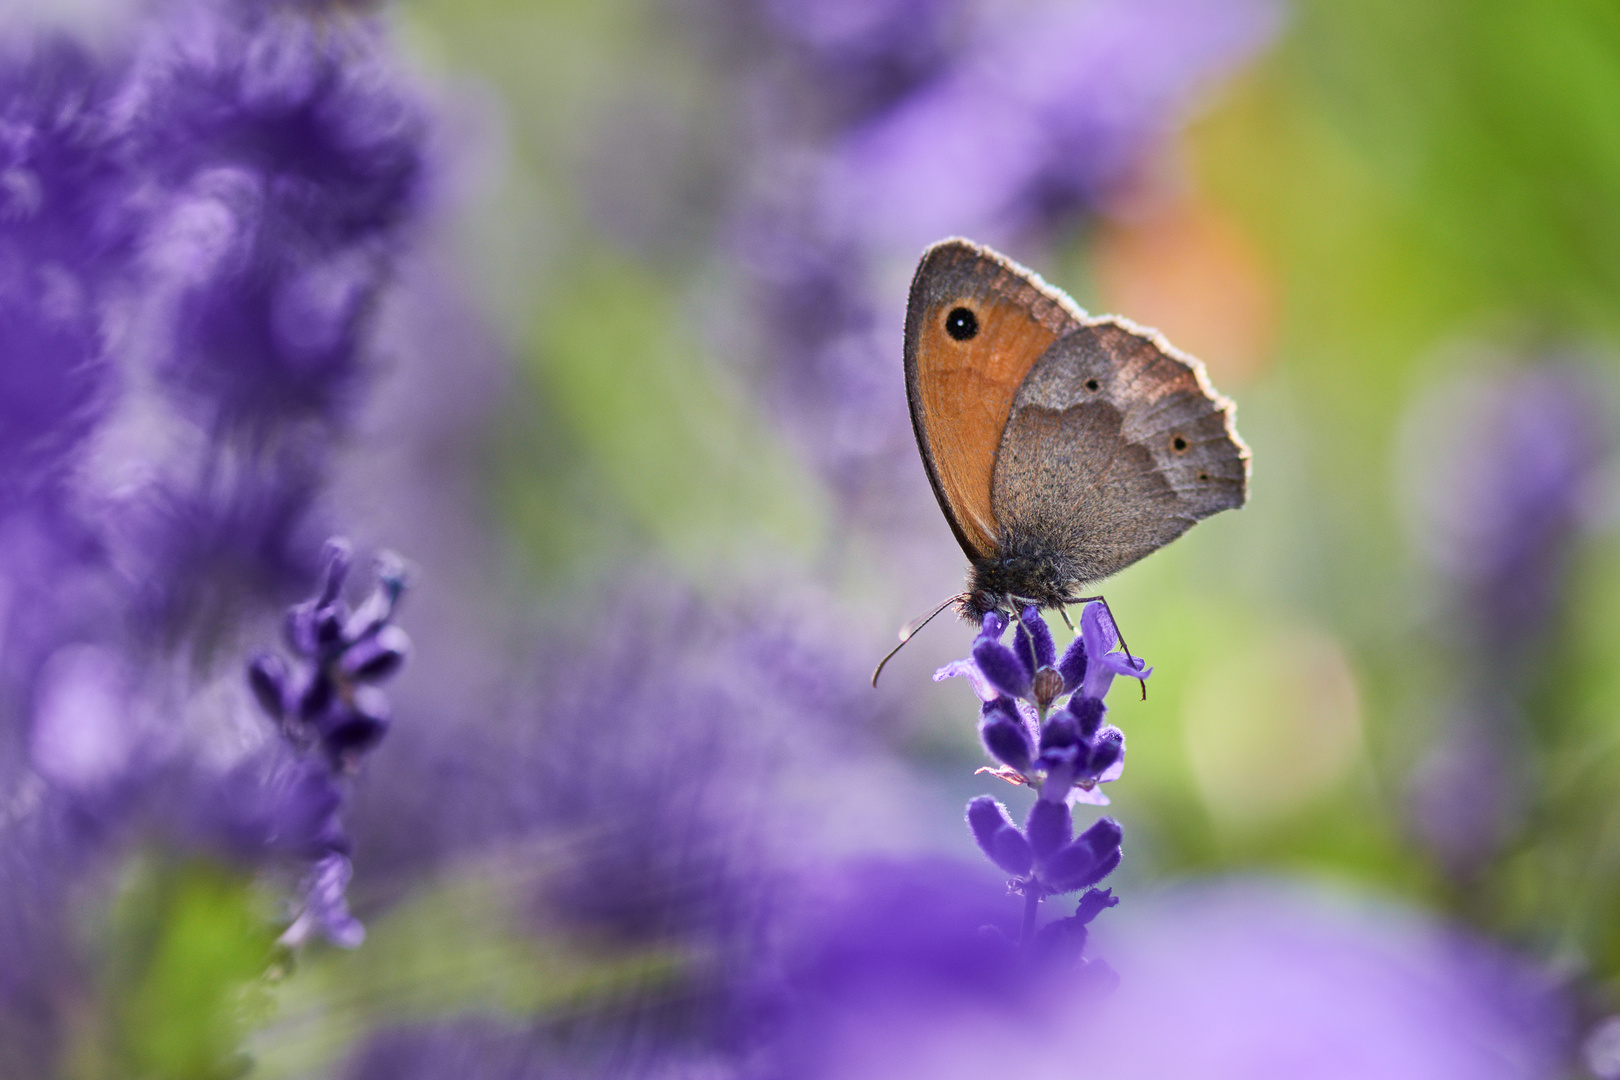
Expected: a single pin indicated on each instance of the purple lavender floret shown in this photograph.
(1102, 663)
(1045, 857)
(1005, 669)
(331, 713)
(197, 211)
(1064, 750)
(333, 700)
(1006, 736)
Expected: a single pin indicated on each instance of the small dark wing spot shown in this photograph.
(1203, 476)
(962, 324)
(1093, 384)
(1178, 444)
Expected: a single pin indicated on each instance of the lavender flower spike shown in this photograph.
(331, 713)
(1063, 749)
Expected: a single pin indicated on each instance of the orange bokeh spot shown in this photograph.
(1183, 267)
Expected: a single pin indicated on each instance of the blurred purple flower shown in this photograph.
(65, 207)
(906, 968)
(206, 169)
(671, 781)
(1504, 474)
(872, 953)
(281, 162)
(863, 56)
(672, 757)
(328, 705)
(1255, 980)
(1503, 483)
(676, 772)
(1044, 113)
(289, 160)
(215, 198)
(1263, 980)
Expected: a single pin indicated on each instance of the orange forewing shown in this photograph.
(962, 391)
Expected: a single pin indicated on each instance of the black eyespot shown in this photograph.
(1178, 444)
(1203, 476)
(962, 324)
(1093, 384)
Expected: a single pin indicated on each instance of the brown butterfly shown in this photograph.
(1062, 448)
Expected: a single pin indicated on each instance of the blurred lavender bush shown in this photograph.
(201, 213)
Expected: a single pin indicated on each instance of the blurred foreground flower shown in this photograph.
(1265, 980)
(877, 975)
(673, 777)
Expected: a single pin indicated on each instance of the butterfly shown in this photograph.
(1061, 447)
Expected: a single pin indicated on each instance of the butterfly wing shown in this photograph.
(961, 388)
(1115, 444)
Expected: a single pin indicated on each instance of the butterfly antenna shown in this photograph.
(1103, 600)
(911, 628)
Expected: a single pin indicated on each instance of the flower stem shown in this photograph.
(1032, 901)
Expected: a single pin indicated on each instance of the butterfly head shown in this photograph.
(1017, 575)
